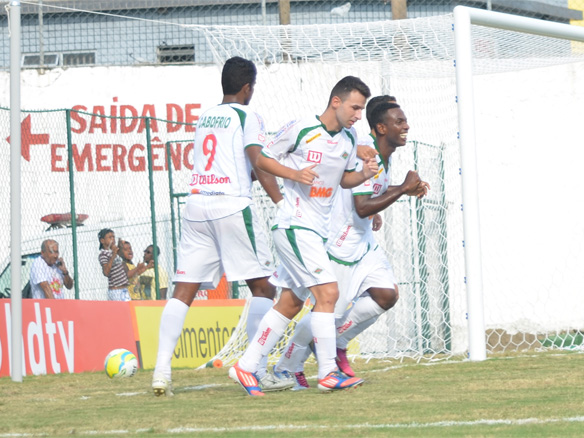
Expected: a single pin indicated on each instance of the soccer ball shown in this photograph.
(120, 363)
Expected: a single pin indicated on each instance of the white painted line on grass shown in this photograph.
(188, 430)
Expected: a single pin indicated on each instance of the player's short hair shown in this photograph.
(379, 113)
(236, 73)
(373, 102)
(348, 84)
(102, 234)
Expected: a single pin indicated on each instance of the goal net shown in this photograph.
(529, 143)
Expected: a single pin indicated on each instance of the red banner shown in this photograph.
(61, 336)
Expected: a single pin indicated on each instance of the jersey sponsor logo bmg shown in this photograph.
(209, 179)
(321, 192)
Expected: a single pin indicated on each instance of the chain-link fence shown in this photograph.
(120, 179)
(117, 32)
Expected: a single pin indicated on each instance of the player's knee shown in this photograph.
(289, 304)
(185, 292)
(261, 287)
(329, 296)
(388, 298)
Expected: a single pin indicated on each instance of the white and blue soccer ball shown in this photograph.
(120, 363)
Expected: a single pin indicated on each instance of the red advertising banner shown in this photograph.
(61, 336)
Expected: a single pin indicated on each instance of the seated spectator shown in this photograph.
(112, 266)
(132, 271)
(147, 284)
(48, 273)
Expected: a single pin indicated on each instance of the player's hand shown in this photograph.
(377, 222)
(150, 264)
(366, 152)
(370, 168)
(414, 186)
(114, 249)
(306, 175)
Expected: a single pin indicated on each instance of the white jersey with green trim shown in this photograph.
(352, 236)
(221, 179)
(303, 143)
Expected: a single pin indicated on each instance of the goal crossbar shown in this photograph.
(464, 17)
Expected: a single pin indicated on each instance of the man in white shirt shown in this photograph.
(363, 271)
(221, 233)
(48, 273)
(315, 156)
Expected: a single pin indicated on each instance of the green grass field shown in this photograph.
(527, 395)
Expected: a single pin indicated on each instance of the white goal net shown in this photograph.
(529, 92)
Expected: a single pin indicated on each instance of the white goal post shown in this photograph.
(463, 18)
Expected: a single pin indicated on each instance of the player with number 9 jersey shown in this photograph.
(221, 233)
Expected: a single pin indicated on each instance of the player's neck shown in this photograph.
(386, 151)
(233, 98)
(329, 121)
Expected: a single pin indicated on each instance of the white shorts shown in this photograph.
(373, 270)
(304, 261)
(235, 245)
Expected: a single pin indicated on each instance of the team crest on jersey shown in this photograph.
(376, 188)
(314, 156)
(345, 155)
(317, 271)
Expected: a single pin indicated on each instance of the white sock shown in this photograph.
(171, 325)
(295, 353)
(323, 330)
(360, 317)
(269, 332)
(300, 367)
(258, 307)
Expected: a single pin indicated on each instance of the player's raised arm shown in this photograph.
(366, 205)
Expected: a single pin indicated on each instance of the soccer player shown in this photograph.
(221, 231)
(363, 271)
(314, 156)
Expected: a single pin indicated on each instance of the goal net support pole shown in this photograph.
(463, 18)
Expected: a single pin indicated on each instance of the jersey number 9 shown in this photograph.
(209, 148)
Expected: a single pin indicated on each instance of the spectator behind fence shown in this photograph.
(113, 267)
(48, 273)
(132, 271)
(147, 283)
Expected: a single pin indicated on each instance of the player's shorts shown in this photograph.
(373, 270)
(236, 245)
(304, 261)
